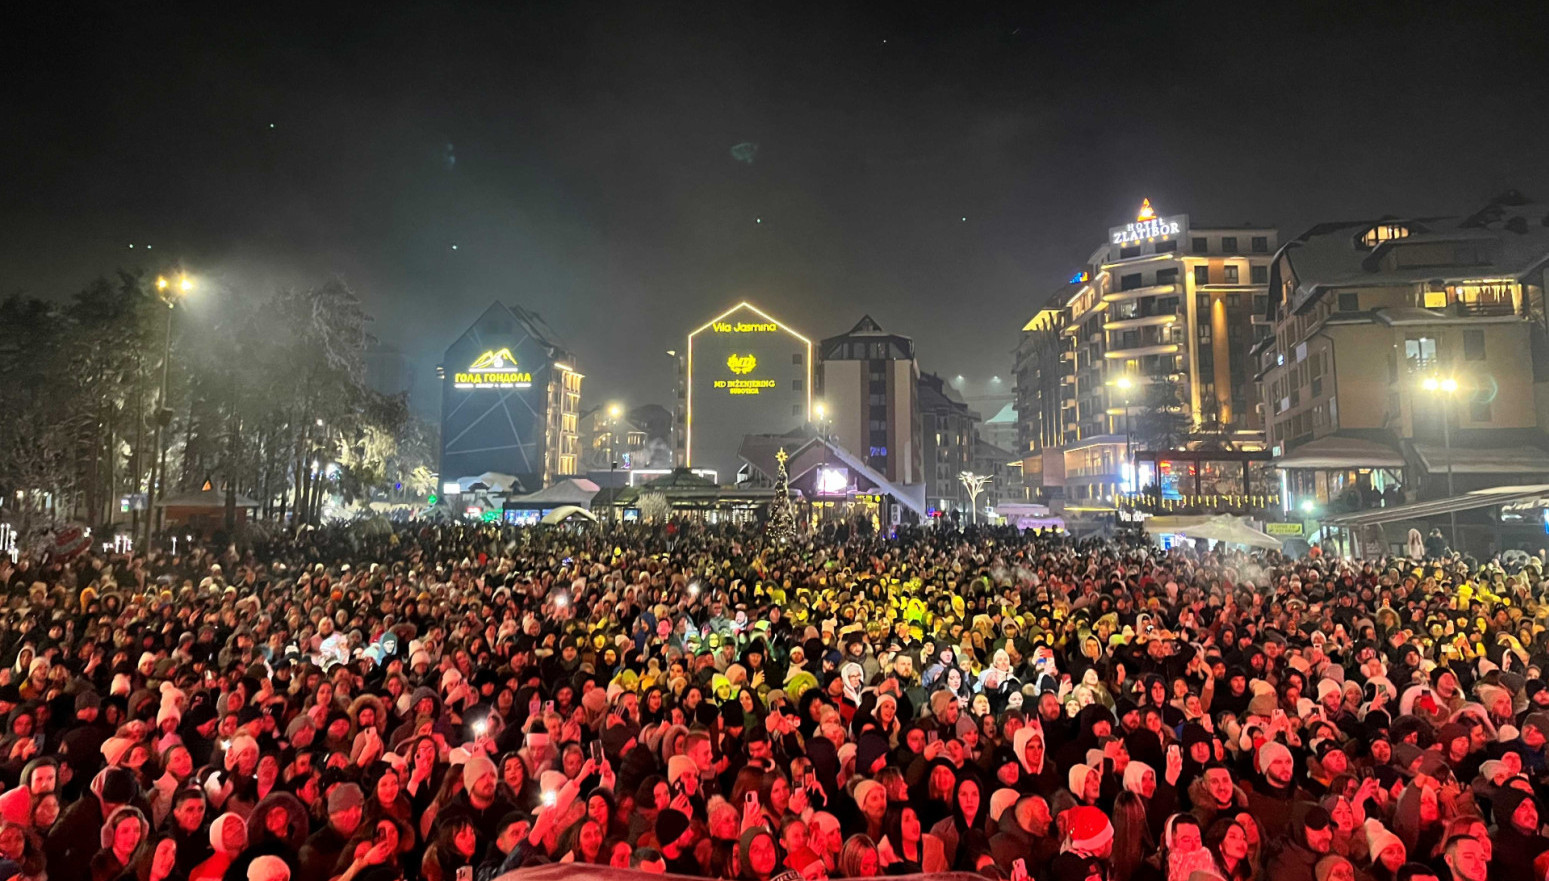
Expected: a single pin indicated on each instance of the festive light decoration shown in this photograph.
(782, 516)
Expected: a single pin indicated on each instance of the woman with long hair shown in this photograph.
(582, 842)
(456, 841)
(1227, 841)
(1131, 837)
(962, 833)
(906, 847)
(858, 859)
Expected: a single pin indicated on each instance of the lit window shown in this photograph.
(1385, 232)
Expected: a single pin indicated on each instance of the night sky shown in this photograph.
(940, 166)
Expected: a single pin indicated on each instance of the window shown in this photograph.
(1420, 351)
(1261, 244)
(1233, 301)
(1473, 345)
(1479, 411)
(795, 409)
(1167, 276)
(1229, 244)
(1202, 275)
(1204, 333)
(1201, 244)
(1349, 302)
(1386, 232)
(1435, 299)
(1130, 282)
(1167, 246)
(1258, 274)
(1260, 304)
(796, 358)
(795, 385)
(1131, 251)
(1231, 274)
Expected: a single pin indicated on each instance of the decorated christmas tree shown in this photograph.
(782, 516)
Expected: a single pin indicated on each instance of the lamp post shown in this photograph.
(1124, 384)
(1446, 387)
(168, 291)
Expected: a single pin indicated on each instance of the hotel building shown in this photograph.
(1162, 303)
(510, 401)
(1405, 349)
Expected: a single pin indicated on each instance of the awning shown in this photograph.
(1341, 452)
(1468, 460)
(1479, 498)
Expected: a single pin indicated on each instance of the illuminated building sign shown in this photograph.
(496, 368)
(744, 327)
(746, 373)
(1148, 227)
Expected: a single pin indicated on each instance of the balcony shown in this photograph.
(1142, 291)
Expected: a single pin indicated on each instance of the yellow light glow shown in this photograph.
(1124, 382)
(1449, 385)
(186, 284)
(1430, 384)
(1146, 212)
(614, 411)
(819, 409)
(161, 282)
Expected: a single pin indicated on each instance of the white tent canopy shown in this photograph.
(1232, 530)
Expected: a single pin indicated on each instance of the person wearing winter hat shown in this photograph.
(268, 868)
(1309, 837)
(321, 852)
(1274, 791)
(228, 836)
(480, 800)
(74, 838)
(1386, 853)
(1086, 847)
(675, 840)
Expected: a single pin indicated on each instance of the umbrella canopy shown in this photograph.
(1232, 530)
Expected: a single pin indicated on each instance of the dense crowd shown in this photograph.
(455, 702)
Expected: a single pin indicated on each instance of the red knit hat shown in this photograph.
(1089, 829)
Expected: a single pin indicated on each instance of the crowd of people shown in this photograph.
(454, 702)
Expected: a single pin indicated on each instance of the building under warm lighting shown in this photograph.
(740, 373)
(510, 400)
(1403, 348)
(1161, 303)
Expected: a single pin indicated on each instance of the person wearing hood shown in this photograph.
(277, 827)
(122, 836)
(1159, 797)
(1038, 772)
(757, 857)
(74, 838)
(1517, 841)
(1309, 836)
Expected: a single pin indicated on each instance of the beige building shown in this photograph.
(1407, 347)
(1162, 312)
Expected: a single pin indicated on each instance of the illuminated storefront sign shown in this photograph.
(1148, 227)
(496, 368)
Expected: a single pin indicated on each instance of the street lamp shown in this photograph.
(1124, 384)
(1446, 386)
(168, 291)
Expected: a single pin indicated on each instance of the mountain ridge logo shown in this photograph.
(496, 368)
